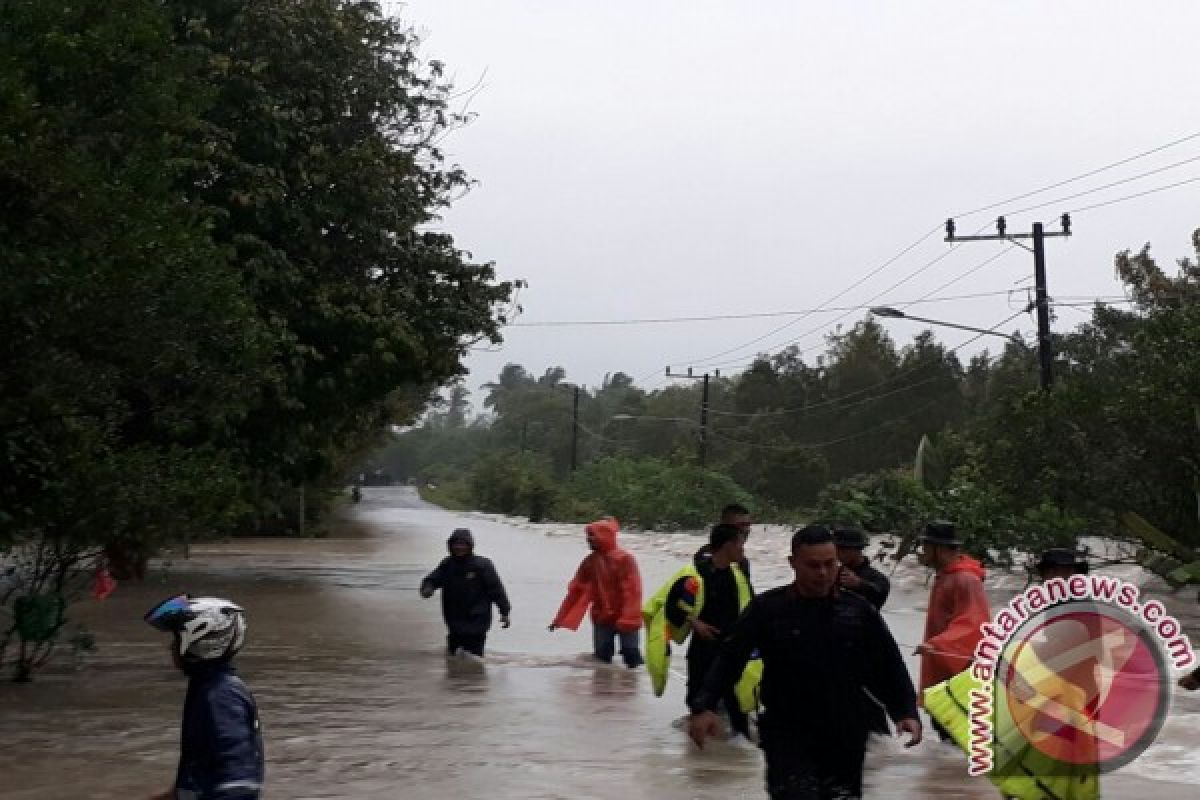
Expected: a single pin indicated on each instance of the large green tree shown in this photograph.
(325, 168)
(1119, 431)
(218, 282)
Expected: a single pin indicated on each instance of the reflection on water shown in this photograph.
(359, 701)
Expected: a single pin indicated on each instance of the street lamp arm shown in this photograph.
(892, 313)
(656, 419)
(970, 328)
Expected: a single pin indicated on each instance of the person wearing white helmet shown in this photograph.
(221, 749)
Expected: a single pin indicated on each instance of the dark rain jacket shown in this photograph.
(875, 585)
(819, 655)
(469, 588)
(221, 749)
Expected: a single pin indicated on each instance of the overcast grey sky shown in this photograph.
(659, 159)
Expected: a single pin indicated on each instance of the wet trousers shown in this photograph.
(602, 644)
(800, 771)
(472, 643)
(699, 660)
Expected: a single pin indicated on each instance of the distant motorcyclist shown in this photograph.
(470, 587)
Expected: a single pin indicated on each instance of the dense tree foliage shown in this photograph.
(216, 281)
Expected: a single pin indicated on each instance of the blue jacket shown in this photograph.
(221, 750)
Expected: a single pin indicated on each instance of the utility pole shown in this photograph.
(703, 407)
(1041, 298)
(575, 429)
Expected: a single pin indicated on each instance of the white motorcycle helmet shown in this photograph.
(206, 628)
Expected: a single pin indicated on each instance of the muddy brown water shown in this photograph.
(358, 701)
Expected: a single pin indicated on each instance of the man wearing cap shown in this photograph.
(470, 586)
(856, 573)
(1060, 562)
(957, 608)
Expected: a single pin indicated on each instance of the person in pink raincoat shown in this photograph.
(609, 582)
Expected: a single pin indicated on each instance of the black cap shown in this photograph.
(847, 536)
(941, 532)
(1062, 557)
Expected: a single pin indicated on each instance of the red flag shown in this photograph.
(103, 585)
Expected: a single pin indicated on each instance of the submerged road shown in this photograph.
(358, 700)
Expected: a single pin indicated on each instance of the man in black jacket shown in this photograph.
(857, 574)
(821, 647)
(470, 586)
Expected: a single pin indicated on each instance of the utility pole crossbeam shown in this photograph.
(1041, 298)
(703, 454)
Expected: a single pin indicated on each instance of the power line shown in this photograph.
(1077, 195)
(840, 440)
(903, 373)
(835, 400)
(1081, 176)
(965, 275)
(754, 315)
(1133, 196)
(742, 359)
(711, 360)
(880, 426)
(870, 301)
(829, 300)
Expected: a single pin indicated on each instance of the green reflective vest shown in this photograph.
(1020, 770)
(660, 633)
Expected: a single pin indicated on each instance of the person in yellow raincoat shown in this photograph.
(704, 602)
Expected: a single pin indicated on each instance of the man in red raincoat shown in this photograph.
(957, 608)
(609, 582)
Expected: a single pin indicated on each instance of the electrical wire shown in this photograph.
(753, 315)
(840, 440)
(1114, 201)
(892, 379)
(1088, 174)
(872, 301)
(1085, 193)
(712, 360)
(965, 275)
(829, 300)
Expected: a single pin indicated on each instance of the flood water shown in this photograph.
(358, 700)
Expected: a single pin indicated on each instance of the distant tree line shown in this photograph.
(837, 435)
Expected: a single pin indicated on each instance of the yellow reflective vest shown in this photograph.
(1021, 771)
(660, 633)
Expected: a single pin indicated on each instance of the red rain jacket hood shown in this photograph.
(608, 581)
(957, 607)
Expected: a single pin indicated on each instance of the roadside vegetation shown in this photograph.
(218, 283)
